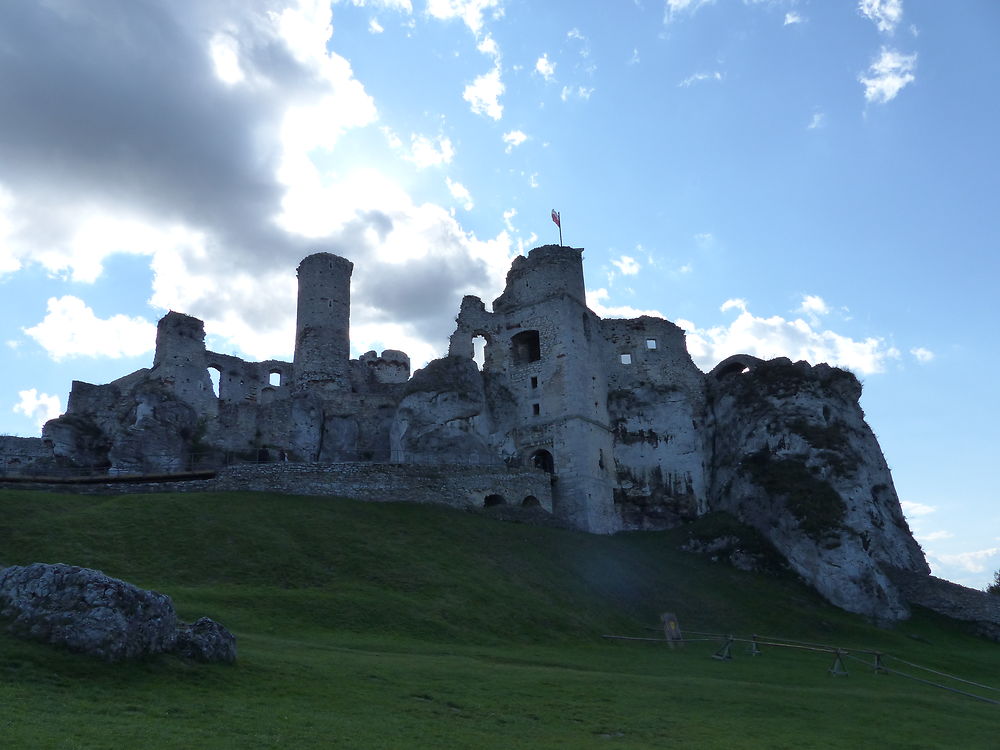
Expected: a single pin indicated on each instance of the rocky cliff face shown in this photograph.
(793, 457)
(443, 414)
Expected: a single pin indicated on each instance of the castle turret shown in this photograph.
(547, 271)
(322, 329)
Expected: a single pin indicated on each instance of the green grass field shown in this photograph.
(364, 625)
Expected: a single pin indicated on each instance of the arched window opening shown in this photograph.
(525, 347)
(215, 374)
(530, 502)
(479, 351)
(494, 500)
(274, 378)
(542, 459)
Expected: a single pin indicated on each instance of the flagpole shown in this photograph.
(557, 220)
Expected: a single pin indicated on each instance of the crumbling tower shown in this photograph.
(322, 326)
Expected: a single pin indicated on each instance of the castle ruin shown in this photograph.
(607, 424)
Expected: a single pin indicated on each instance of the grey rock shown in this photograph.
(89, 612)
(205, 640)
(86, 611)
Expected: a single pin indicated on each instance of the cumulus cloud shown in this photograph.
(888, 75)
(545, 67)
(483, 94)
(922, 355)
(471, 12)
(430, 152)
(375, 27)
(792, 18)
(626, 265)
(933, 536)
(675, 7)
(597, 301)
(513, 139)
(885, 14)
(973, 562)
(222, 168)
(777, 337)
(460, 193)
(41, 407)
(911, 508)
(71, 329)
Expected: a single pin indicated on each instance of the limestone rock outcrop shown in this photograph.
(794, 458)
(89, 612)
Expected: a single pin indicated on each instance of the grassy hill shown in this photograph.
(364, 625)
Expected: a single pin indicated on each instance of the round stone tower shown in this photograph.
(547, 271)
(322, 326)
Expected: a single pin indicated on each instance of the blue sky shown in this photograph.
(780, 177)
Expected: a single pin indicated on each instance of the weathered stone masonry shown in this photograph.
(607, 424)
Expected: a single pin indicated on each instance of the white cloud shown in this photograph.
(483, 94)
(699, 77)
(973, 562)
(404, 6)
(488, 46)
(933, 536)
(813, 305)
(885, 14)
(627, 265)
(923, 355)
(792, 18)
(777, 337)
(71, 329)
(40, 407)
(507, 216)
(428, 152)
(888, 75)
(596, 299)
(634, 60)
(545, 67)
(818, 120)
(460, 193)
(375, 27)
(250, 175)
(674, 7)
(471, 12)
(581, 92)
(911, 508)
(225, 54)
(513, 139)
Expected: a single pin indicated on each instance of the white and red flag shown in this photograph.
(555, 218)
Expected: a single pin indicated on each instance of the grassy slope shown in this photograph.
(398, 626)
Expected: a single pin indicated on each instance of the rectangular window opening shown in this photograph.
(536, 409)
(626, 359)
(534, 382)
(650, 343)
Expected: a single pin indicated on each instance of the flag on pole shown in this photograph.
(555, 218)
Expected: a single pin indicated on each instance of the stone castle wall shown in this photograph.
(456, 485)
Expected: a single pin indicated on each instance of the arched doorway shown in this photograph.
(542, 459)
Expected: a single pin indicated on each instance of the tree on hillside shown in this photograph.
(994, 588)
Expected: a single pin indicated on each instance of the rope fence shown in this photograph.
(877, 663)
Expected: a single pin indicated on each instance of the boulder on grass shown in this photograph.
(91, 613)
(206, 640)
(86, 611)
